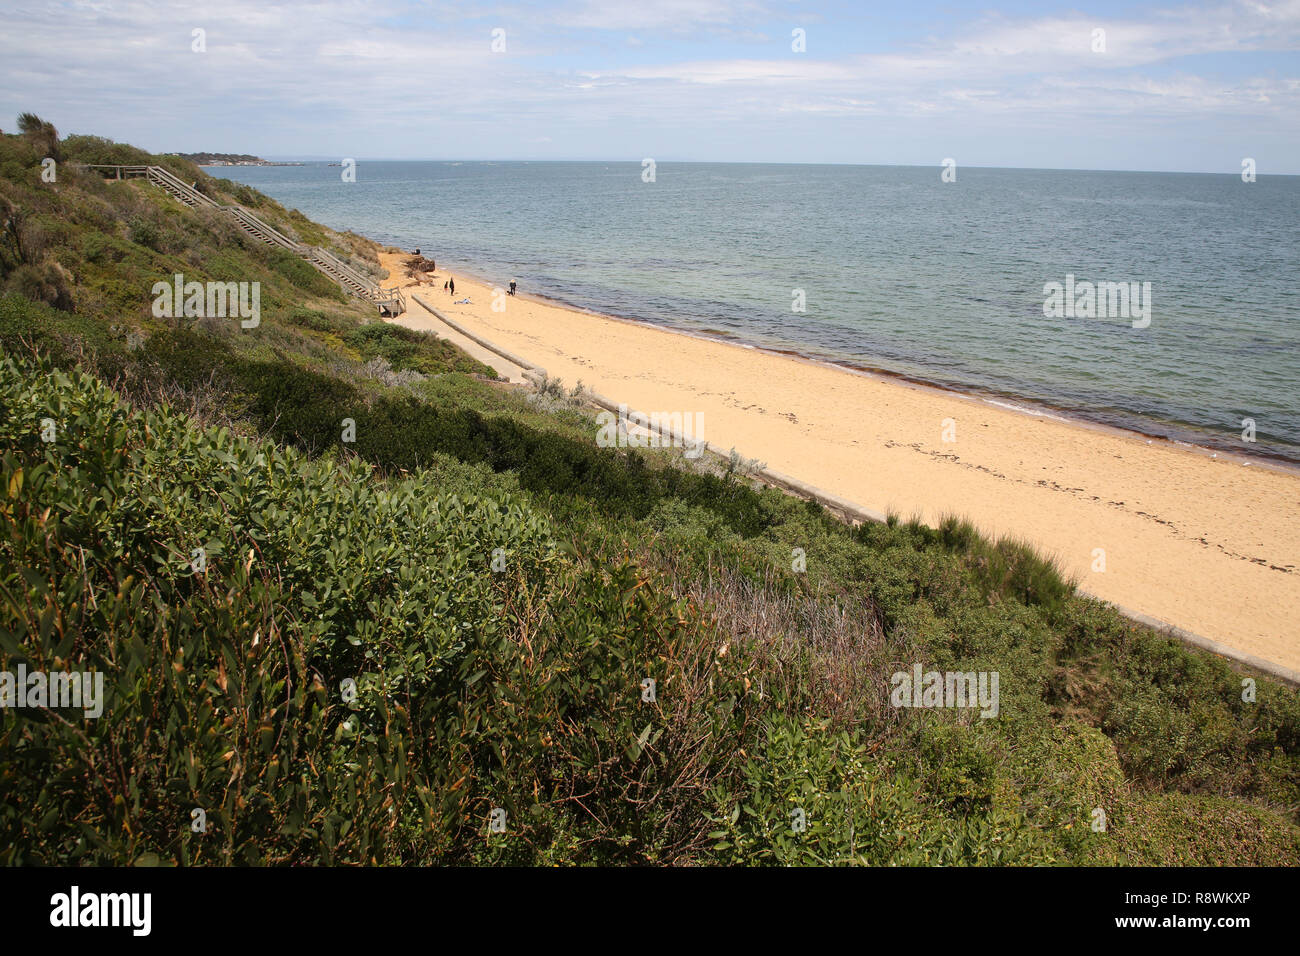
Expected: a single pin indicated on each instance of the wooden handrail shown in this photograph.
(322, 259)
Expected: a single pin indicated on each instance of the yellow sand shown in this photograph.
(1208, 545)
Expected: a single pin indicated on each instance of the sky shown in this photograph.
(1187, 87)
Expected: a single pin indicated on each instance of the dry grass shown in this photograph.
(827, 650)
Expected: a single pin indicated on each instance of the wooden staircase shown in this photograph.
(390, 302)
(177, 187)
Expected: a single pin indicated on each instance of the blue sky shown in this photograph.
(1178, 86)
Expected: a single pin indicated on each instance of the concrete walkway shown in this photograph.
(420, 316)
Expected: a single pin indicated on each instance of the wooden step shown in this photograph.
(389, 301)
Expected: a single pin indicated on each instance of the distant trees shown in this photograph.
(40, 133)
(223, 159)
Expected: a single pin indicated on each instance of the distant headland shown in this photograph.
(229, 159)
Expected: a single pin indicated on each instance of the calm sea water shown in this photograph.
(902, 272)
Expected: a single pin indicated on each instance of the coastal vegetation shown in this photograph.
(470, 635)
(224, 159)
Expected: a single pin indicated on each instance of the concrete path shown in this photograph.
(419, 316)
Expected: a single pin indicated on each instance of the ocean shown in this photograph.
(896, 270)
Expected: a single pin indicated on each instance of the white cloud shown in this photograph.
(338, 74)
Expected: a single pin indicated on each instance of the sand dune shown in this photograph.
(1208, 545)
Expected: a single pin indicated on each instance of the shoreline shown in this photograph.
(1004, 400)
(1209, 546)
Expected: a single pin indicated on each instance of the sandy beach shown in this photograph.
(1208, 545)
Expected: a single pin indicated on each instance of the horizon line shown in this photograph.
(717, 162)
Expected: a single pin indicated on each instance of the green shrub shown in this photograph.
(144, 232)
(19, 159)
(234, 669)
(45, 283)
(813, 798)
(27, 325)
(319, 321)
(489, 671)
(305, 276)
(95, 247)
(99, 151)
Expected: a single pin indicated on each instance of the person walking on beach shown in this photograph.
(512, 286)
(451, 285)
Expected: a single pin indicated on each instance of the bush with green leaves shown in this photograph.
(411, 350)
(815, 797)
(228, 589)
(305, 276)
(224, 676)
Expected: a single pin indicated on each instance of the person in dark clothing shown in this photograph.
(512, 286)
(451, 285)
